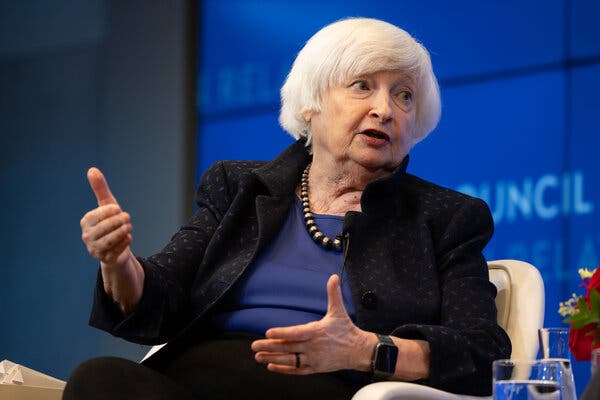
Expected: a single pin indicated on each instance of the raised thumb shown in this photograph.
(100, 187)
(335, 301)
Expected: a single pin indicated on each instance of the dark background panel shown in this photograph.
(103, 83)
(584, 30)
(256, 137)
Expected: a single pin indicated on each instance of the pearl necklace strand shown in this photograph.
(309, 219)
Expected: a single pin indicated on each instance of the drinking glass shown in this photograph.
(527, 380)
(554, 345)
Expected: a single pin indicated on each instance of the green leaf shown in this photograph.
(579, 324)
(595, 305)
(582, 306)
(583, 316)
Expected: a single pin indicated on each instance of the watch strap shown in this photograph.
(384, 358)
(385, 340)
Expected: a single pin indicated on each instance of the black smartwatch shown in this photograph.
(384, 358)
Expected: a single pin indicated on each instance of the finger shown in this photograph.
(93, 217)
(297, 361)
(109, 243)
(114, 238)
(112, 256)
(276, 358)
(277, 346)
(296, 333)
(290, 370)
(108, 225)
(100, 187)
(335, 301)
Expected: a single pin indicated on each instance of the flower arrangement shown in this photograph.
(583, 313)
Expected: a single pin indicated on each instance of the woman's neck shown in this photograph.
(335, 189)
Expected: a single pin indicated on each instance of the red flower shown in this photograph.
(580, 342)
(594, 283)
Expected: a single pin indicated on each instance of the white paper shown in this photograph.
(15, 374)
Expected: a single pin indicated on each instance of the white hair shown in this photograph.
(354, 47)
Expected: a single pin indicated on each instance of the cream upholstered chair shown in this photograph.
(520, 303)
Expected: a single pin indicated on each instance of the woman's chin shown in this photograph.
(374, 163)
(372, 159)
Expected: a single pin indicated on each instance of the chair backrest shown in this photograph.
(520, 303)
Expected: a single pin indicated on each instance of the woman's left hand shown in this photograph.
(330, 344)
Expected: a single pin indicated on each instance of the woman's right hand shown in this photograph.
(106, 232)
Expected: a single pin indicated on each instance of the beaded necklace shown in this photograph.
(309, 219)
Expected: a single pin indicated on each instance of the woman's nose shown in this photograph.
(382, 108)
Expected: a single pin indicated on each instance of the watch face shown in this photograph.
(386, 358)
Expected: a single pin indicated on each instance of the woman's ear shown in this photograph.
(307, 115)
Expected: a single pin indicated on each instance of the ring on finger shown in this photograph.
(297, 360)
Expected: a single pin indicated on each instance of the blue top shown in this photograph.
(286, 285)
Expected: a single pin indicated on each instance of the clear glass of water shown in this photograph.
(527, 380)
(554, 345)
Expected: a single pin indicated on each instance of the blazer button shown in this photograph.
(369, 300)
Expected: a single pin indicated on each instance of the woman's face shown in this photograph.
(368, 120)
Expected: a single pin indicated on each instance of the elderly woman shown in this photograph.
(330, 262)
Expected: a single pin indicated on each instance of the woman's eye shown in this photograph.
(361, 85)
(405, 96)
(404, 99)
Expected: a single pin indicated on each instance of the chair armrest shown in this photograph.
(407, 391)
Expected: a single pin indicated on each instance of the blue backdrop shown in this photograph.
(519, 127)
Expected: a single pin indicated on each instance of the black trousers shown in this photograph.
(222, 368)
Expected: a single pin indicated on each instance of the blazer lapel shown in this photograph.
(270, 212)
(280, 178)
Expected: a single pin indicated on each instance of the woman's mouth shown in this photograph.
(376, 136)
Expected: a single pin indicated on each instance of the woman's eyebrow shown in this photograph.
(405, 80)
(354, 78)
(404, 84)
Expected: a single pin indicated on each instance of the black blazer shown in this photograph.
(414, 264)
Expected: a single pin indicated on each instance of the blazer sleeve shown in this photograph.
(468, 338)
(165, 308)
